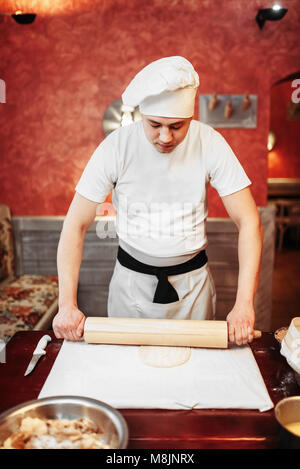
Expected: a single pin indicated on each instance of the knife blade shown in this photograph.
(39, 351)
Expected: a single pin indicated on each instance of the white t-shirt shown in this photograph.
(161, 198)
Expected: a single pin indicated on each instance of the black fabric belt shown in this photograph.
(165, 292)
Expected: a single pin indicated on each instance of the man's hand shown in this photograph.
(240, 324)
(69, 324)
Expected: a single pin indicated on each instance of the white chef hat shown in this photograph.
(166, 88)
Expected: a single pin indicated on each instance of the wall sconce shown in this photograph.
(21, 18)
(117, 115)
(270, 14)
(271, 140)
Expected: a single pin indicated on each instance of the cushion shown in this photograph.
(24, 301)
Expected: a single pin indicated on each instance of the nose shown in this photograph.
(165, 135)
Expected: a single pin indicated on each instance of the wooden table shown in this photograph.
(167, 429)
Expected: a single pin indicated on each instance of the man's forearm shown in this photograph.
(69, 256)
(69, 321)
(249, 253)
(242, 210)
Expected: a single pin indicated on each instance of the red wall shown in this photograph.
(284, 159)
(62, 72)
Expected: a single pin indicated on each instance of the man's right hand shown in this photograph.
(69, 324)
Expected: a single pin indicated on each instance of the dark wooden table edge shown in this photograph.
(130, 415)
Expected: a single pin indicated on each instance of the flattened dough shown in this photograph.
(164, 357)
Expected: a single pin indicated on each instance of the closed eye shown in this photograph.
(173, 127)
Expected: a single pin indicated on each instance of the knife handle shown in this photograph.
(42, 344)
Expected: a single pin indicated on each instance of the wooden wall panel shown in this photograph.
(36, 240)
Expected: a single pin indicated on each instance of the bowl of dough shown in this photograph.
(63, 422)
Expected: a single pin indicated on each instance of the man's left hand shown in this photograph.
(240, 324)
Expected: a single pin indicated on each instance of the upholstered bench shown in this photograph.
(27, 302)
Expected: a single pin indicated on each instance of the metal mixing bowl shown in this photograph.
(288, 411)
(68, 407)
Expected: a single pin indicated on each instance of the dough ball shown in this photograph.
(163, 356)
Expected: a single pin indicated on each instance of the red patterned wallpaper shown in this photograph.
(62, 72)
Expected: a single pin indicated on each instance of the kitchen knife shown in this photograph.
(38, 353)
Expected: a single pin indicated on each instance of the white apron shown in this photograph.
(131, 295)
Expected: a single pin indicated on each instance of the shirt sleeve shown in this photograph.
(100, 174)
(224, 171)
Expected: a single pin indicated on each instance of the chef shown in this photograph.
(158, 169)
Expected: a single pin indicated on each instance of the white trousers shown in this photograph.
(131, 295)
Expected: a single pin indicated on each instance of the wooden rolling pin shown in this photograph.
(171, 332)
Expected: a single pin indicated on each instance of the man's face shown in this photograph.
(165, 133)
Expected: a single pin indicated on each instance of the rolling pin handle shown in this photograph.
(257, 334)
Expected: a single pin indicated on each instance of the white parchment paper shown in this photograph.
(115, 374)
